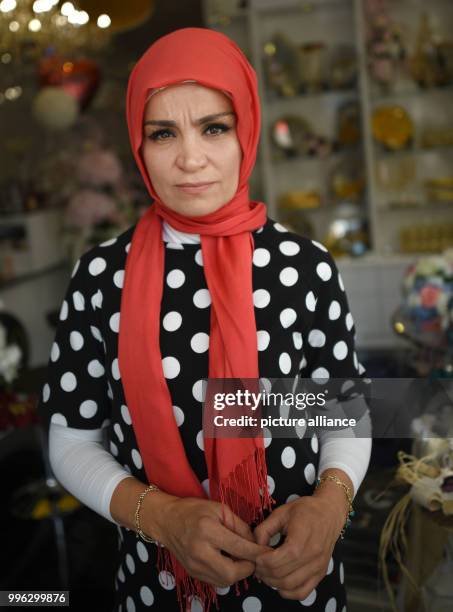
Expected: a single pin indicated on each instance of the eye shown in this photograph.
(156, 135)
(219, 126)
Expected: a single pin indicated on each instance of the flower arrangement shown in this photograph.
(101, 204)
(428, 296)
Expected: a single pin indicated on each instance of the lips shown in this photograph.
(194, 184)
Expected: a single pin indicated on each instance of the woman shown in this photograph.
(204, 285)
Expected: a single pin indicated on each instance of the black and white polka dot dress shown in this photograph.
(303, 326)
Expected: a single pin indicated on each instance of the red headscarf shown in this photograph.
(236, 466)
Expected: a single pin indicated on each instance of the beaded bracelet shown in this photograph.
(347, 490)
(139, 532)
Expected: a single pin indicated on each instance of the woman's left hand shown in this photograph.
(312, 526)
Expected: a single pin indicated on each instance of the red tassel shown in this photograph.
(248, 500)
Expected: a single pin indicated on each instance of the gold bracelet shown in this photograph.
(138, 528)
(347, 490)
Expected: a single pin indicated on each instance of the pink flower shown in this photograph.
(99, 168)
(429, 295)
(87, 208)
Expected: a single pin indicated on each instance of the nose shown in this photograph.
(191, 155)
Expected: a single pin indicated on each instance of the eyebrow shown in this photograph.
(169, 123)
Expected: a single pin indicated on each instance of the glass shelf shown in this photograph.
(275, 100)
(414, 150)
(301, 159)
(411, 93)
(419, 207)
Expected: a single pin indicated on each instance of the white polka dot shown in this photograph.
(222, 590)
(275, 539)
(119, 432)
(114, 322)
(199, 257)
(88, 409)
(96, 299)
(289, 247)
(146, 595)
(125, 414)
(45, 393)
(267, 436)
(136, 458)
(261, 298)
(251, 604)
(261, 257)
(68, 381)
(172, 321)
(288, 457)
(130, 604)
(200, 342)
(200, 441)
(297, 339)
(309, 599)
(175, 279)
(179, 415)
(320, 375)
(334, 310)
(303, 363)
(130, 563)
(64, 311)
(263, 339)
(97, 265)
(128, 246)
(202, 298)
(349, 321)
(314, 443)
(341, 571)
(288, 276)
(300, 430)
(292, 497)
(76, 267)
(96, 333)
(113, 448)
(270, 484)
(284, 362)
(59, 419)
(316, 338)
(288, 316)
(340, 282)
(167, 580)
(310, 301)
(78, 301)
(205, 485)
(171, 367)
(121, 575)
(199, 390)
(324, 271)
(196, 604)
(309, 473)
(118, 278)
(356, 361)
(95, 368)
(280, 228)
(76, 340)
(331, 605)
(330, 566)
(55, 352)
(340, 350)
(319, 245)
(142, 552)
(108, 242)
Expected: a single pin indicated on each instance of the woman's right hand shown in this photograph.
(194, 531)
